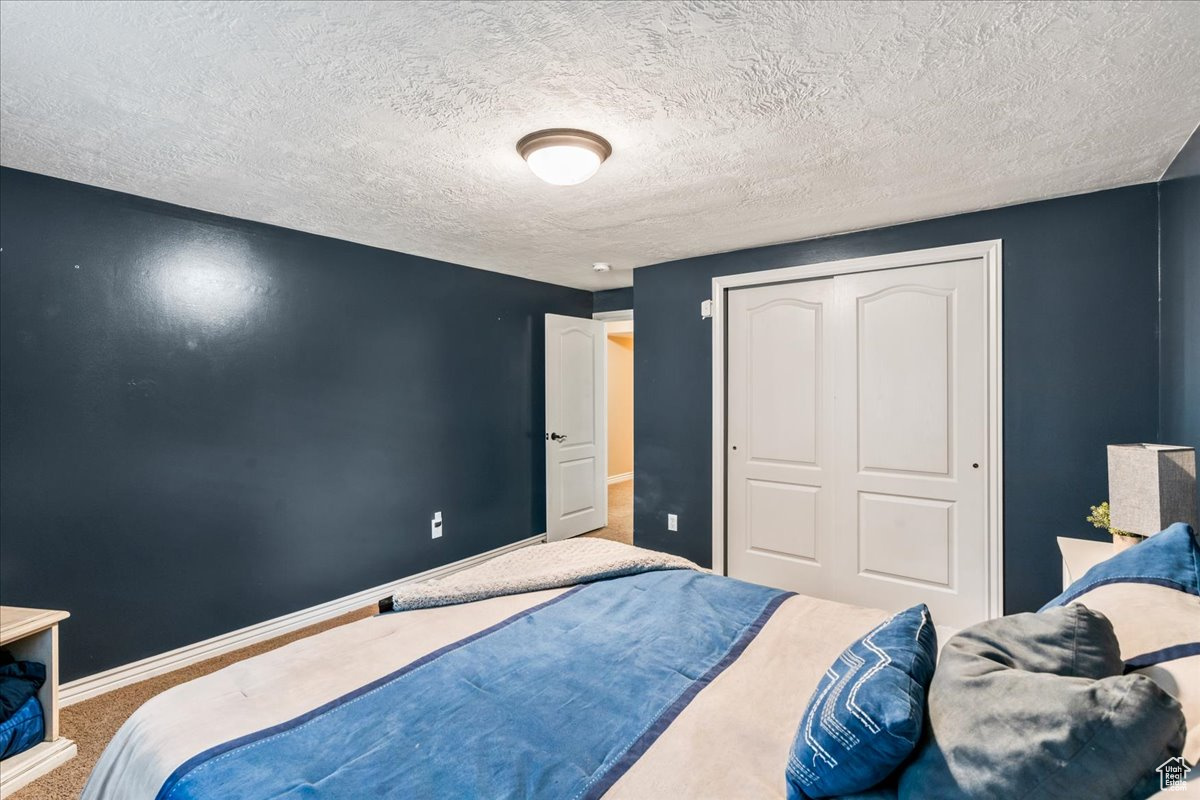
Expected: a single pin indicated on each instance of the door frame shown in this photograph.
(625, 314)
(991, 252)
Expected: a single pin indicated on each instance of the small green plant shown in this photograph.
(1100, 517)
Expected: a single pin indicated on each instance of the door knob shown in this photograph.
(554, 437)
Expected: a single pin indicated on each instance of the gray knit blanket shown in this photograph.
(541, 566)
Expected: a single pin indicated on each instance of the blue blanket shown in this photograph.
(557, 701)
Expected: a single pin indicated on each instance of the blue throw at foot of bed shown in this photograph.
(547, 703)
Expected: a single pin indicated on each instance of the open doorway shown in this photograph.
(619, 335)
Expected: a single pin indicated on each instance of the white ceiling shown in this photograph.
(732, 124)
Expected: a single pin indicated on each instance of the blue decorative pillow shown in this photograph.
(865, 716)
(1170, 559)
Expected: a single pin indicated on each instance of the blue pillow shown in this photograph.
(1170, 559)
(865, 717)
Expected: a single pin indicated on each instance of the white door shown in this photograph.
(861, 405)
(911, 423)
(576, 435)
(780, 435)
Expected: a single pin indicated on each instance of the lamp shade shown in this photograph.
(1151, 486)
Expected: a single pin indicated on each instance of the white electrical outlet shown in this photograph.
(672, 522)
(435, 527)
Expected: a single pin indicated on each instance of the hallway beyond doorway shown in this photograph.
(620, 514)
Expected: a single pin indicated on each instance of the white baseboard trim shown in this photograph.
(624, 476)
(92, 685)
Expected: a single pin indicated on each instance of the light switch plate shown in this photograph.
(672, 522)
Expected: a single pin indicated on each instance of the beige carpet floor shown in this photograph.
(93, 723)
(620, 514)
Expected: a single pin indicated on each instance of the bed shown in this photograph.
(581, 669)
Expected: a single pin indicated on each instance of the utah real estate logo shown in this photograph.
(1172, 774)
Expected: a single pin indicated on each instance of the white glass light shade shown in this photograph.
(563, 165)
(564, 156)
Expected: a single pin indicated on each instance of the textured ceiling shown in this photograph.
(732, 124)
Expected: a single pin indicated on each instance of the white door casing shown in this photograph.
(915, 519)
(576, 436)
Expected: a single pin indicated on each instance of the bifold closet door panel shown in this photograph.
(779, 446)
(910, 422)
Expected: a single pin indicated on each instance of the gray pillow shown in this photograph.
(1035, 706)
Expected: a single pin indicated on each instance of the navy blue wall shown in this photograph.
(1080, 367)
(613, 300)
(207, 422)
(1179, 203)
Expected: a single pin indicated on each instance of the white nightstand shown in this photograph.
(1080, 555)
(31, 634)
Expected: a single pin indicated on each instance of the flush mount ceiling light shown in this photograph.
(564, 156)
(601, 266)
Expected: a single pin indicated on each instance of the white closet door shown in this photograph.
(911, 423)
(856, 437)
(779, 444)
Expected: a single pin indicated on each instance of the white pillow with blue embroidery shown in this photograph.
(1151, 594)
(865, 717)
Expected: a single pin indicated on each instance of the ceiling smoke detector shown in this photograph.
(601, 266)
(564, 156)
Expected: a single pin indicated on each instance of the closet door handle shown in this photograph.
(554, 437)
